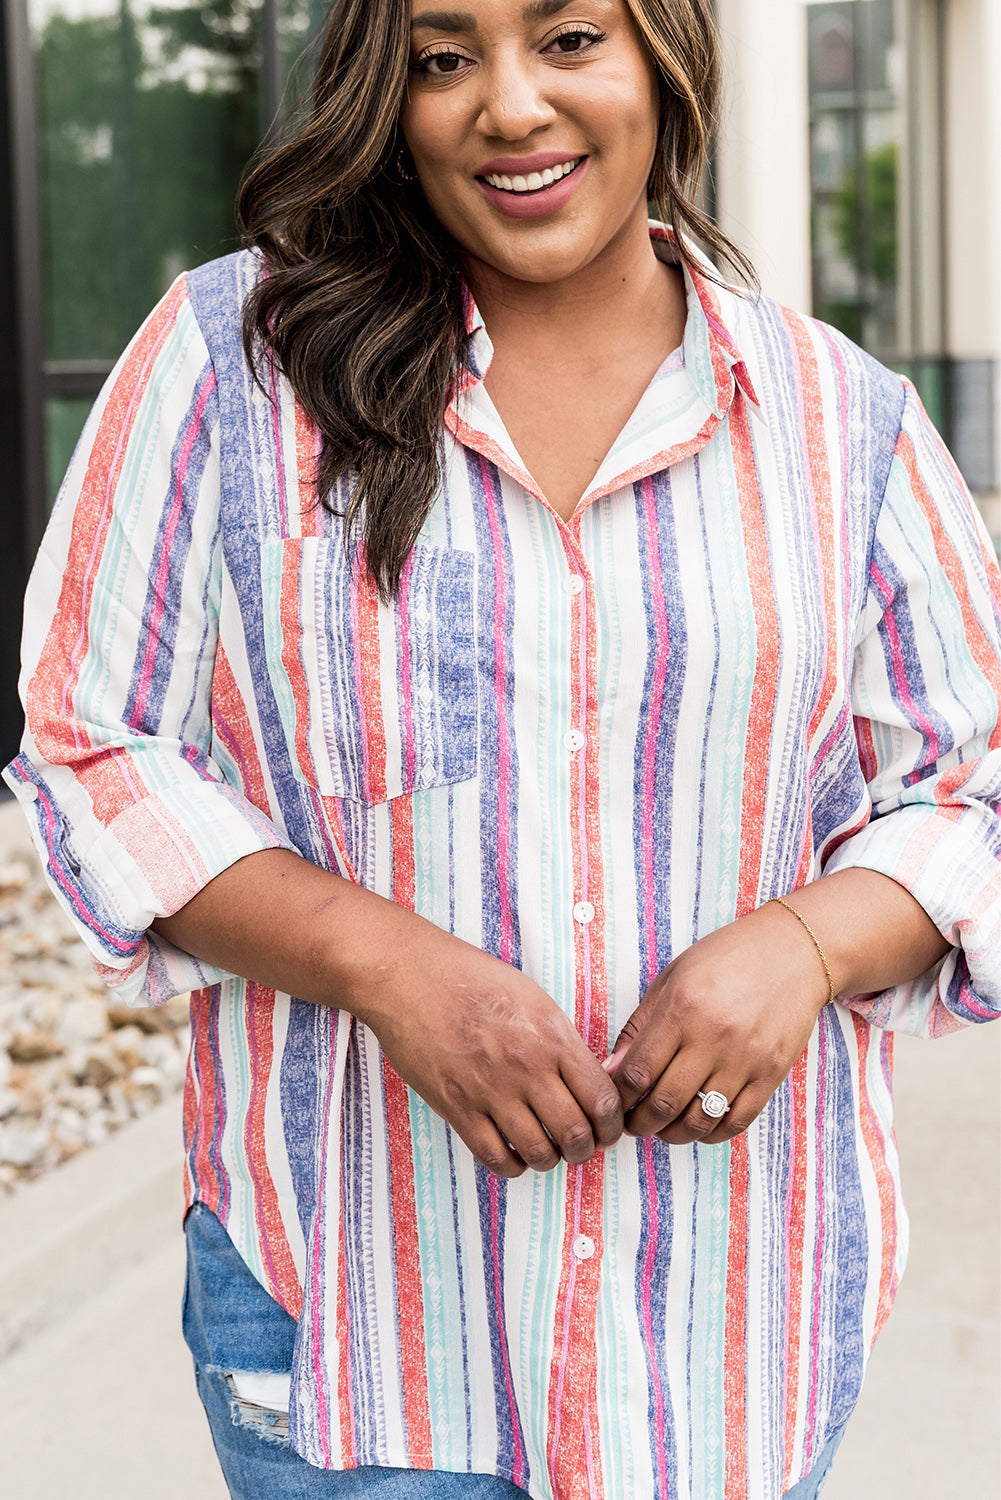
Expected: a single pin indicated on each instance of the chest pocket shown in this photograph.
(376, 701)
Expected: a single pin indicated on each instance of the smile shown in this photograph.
(535, 181)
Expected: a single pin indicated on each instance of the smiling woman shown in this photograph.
(543, 702)
(374, 307)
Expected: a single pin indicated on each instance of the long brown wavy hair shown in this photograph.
(362, 308)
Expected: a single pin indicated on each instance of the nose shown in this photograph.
(515, 102)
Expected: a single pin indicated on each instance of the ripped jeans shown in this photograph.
(231, 1324)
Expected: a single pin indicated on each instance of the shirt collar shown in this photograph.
(678, 413)
(712, 359)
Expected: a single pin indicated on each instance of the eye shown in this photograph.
(574, 41)
(440, 63)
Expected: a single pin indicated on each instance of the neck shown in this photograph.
(606, 305)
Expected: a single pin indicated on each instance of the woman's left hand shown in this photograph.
(732, 1013)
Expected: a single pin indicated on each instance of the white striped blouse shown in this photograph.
(765, 646)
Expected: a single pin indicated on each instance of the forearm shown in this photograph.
(872, 931)
(275, 918)
(487, 1048)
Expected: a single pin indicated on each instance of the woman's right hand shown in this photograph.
(483, 1044)
(491, 1053)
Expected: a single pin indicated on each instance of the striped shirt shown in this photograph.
(765, 646)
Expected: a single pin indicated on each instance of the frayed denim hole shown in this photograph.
(269, 1425)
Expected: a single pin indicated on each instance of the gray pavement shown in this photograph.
(96, 1389)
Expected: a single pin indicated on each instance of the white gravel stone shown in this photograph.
(74, 1066)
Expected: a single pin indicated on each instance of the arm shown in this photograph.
(478, 1040)
(734, 1011)
(918, 883)
(128, 808)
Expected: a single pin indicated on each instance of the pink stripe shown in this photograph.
(121, 439)
(649, 1261)
(818, 1254)
(503, 745)
(279, 456)
(663, 642)
(899, 670)
(592, 1488)
(406, 690)
(360, 687)
(163, 569)
(316, 1321)
(518, 1472)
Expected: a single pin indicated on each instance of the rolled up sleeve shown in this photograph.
(129, 812)
(926, 692)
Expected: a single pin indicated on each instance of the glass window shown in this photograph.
(856, 129)
(147, 113)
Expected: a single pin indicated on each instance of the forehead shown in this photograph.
(468, 15)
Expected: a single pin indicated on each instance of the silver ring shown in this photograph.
(714, 1104)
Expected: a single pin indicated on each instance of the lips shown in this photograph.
(529, 195)
(533, 181)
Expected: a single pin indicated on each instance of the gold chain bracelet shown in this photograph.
(820, 952)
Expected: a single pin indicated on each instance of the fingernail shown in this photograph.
(612, 1061)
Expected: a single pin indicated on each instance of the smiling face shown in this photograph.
(533, 128)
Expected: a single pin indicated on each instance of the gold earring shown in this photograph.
(402, 170)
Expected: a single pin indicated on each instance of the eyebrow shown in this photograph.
(458, 20)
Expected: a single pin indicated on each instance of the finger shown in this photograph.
(592, 1093)
(696, 1123)
(670, 1094)
(491, 1149)
(641, 1056)
(529, 1138)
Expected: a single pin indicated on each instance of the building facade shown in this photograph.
(858, 160)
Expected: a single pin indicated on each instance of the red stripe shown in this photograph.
(368, 665)
(231, 725)
(571, 1437)
(409, 1291)
(824, 550)
(979, 644)
(111, 783)
(205, 1122)
(885, 1187)
(758, 744)
(282, 1277)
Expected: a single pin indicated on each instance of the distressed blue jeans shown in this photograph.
(230, 1323)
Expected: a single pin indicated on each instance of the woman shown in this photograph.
(548, 678)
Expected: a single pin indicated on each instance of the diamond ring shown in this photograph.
(714, 1104)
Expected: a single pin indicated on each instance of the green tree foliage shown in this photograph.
(865, 214)
(145, 129)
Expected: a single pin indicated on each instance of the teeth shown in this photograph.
(535, 180)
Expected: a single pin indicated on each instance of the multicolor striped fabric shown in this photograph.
(766, 645)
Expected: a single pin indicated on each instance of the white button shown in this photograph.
(583, 1247)
(30, 793)
(573, 584)
(574, 741)
(583, 913)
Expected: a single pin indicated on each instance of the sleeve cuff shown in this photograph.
(148, 862)
(947, 858)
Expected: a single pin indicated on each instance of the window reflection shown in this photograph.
(856, 127)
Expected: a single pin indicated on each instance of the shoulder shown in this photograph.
(802, 366)
(216, 292)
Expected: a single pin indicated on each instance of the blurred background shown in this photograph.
(858, 160)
